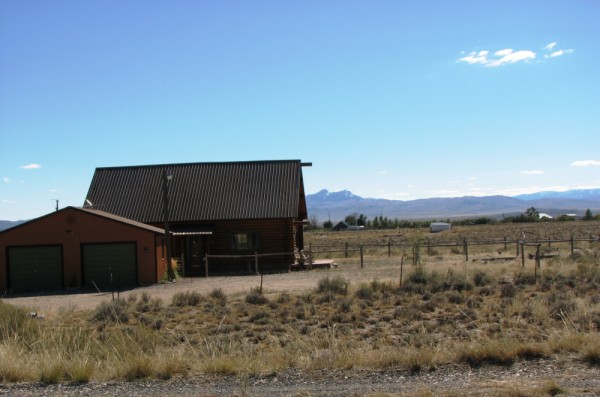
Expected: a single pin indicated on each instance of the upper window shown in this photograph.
(245, 241)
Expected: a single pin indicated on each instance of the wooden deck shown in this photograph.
(317, 264)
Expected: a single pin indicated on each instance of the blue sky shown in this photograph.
(391, 99)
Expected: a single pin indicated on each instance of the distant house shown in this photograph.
(77, 247)
(435, 227)
(543, 215)
(220, 209)
(341, 225)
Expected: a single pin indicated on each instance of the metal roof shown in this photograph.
(201, 191)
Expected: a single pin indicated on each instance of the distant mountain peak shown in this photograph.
(340, 195)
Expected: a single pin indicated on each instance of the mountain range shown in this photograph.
(325, 205)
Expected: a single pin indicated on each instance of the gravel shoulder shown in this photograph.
(523, 379)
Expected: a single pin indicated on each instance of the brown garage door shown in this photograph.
(35, 268)
(109, 265)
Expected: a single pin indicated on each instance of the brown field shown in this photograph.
(449, 314)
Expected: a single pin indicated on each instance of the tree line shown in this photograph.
(383, 222)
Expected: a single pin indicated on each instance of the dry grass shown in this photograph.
(444, 313)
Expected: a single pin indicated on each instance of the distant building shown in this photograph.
(341, 225)
(439, 226)
(543, 215)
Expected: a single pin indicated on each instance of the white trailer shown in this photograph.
(439, 226)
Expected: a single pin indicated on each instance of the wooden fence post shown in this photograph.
(261, 283)
(206, 265)
(518, 242)
(466, 249)
(537, 262)
(256, 262)
(522, 256)
(504, 242)
(361, 257)
(389, 248)
(346, 249)
(572, 245)
(401, 268)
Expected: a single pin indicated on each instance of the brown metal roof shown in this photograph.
(202, 191)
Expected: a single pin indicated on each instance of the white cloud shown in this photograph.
(502, 53)
(512, 57)
(383, 172)
(586, 163)
(9, 201)
(509, 56)
(6, 180)
(53, 190)
(532, 172)
(499, 58)
(556, 53)
(474, 58)
(472, 178)
(32, 166)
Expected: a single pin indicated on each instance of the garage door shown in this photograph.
(109, 265)
(35, 268)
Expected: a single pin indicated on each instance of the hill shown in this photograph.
(8, 224)
(336, 205)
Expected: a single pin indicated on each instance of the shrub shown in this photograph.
(455, 297)
(188, 298)
(560, 305)
(14, 320)
(492, 352)
(113, 311)
(592, 355)
(336, 285)
(260, 317)
(525, 278)
(254, 297)
(218, 295)
(365, 292)
(481, 278)
(508, 290)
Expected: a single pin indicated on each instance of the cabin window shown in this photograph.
(244, 241)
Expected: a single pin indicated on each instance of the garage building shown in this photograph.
(79, 247)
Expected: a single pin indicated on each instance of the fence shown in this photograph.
(255, 257)
(464, 244)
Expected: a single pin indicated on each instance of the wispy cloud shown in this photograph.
(32, 166)
(499, 58)
(556, 53)
(532, 172)
(6, 180)
(508, 56)
(383, 172)
(586, 163)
